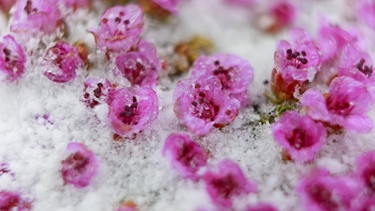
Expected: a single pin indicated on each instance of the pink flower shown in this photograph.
(12, 58)
(35, 16)
(120, 28)
(140, 67)
(80, 166)
(331, 40)
(61, 62)
(319, 191)
(6, 5)
(168, 5)
(75, 4)
(299, 135)
(345, 106)
(295, 64)
(241, 3)
(234, 73)
(366, 12)
(283, 12)
(132, 110)
(13, 201)
(227, 182)
(127, 206)
(366, 171)
(201, 104)
(185, 155)
(96, 91)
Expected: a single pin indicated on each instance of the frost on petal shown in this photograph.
(61, 62)
(132, 110)
(140, 67)
(365, 170)
(226, 182)
(234, 73)
(35, 16)
(13, 201)
(75, 4)
(319, 191)
(185, 155)
(80, 166)
(12, 58)
(96, 91)
(6, 5)
(120, 28)
(201, 104)
(299, 135)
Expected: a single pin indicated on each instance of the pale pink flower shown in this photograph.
(12, 58)
(13, 201)
(35, 16)
(132, 110)
(169, 5)
(61, 62)
(140, 67)
(346, 105)
(226, 182)
(6, 5)
(120, 28)
(234, 73)
(299, 135)
(80, 166)
(366, 12)
(186, 156)
(201, 104)
(319, 191)
(283, 12)
(96, 91)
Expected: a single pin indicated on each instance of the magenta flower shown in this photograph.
(75, 4)
(331, 40)
(346, 105)
(61, 62)
(185, 155)
(6, 5)
(12, 58)
(13, 201)
(366, 171)
(261, 207)
(366, 12)
(299, 135)
(35, 16)
(132, 110)
(283, 12)
(298, 61)
(234, 73)
(227, 182)
(120, 28)
(140, 67)
(201, 104)
(80, 166)
(320, 191)
(96, 91)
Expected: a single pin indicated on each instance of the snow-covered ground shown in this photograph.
(33, 146)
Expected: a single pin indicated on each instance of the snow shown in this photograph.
(135, 170)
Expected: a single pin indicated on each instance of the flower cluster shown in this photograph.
(12, 58)
(353, 191)
(80, 166)
(61, 62)
(214, 94)
(303, 71)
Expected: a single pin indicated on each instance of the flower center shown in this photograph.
(204, 107)
(367, 70)
(322, 196)
(296, 59)
(369, 177)
(135, 74)
(77, 161)
(223, 75)
(10, 60)
(129, 112)
(225, 186)
(340, 105)
(299, 139)
(29, 8)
